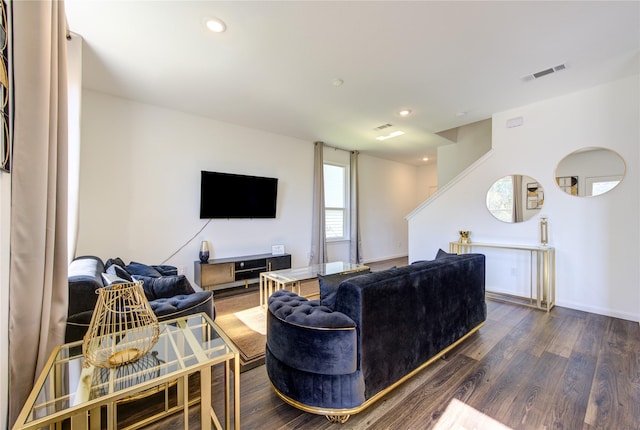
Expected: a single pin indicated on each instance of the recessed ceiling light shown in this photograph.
(337, 82)
(405, 112)
(425, 158)
(216, 25)
(390, 135)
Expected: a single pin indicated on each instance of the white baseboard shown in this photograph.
(599, 310)
(379, 259)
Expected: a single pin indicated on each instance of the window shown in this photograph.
(335, 201)
(500, 199)
(602, 184)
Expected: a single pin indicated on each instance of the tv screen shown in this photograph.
(226, 195)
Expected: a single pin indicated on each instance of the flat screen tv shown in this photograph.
(227, 195)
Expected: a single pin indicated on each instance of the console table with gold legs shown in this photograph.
(542, 288)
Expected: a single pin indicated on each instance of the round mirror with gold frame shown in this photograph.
(590, 172)
(515, 198)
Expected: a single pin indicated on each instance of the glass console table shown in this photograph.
(542, 290)
(279, 279)
(70, 390)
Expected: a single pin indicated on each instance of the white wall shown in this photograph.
(140, 187)
(5, 217)
(427, 183)
(387, 195)
(596, 239)
(471, 141)
(140, 184)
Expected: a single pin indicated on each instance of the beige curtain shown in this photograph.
(74, 83)
(518, 203)
(355, 245)
(318, 252)
(38, 267)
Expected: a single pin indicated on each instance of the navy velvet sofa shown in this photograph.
(170, 295)
(336, 359)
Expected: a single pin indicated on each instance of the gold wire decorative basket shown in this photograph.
(123, 326)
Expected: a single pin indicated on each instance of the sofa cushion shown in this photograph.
(184, 304)
(141, 269)
(329, 285)
(164, 286)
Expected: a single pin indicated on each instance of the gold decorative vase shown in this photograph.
(123, 327)
(464, 236)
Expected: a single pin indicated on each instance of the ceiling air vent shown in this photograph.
(382, 127)
(545, 72)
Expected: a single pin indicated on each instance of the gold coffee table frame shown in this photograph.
(70, 388)
(280, 279)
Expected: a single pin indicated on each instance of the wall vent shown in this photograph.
(545, 72)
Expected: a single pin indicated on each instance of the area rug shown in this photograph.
(254, 318)
(244, 322)
(249, 342)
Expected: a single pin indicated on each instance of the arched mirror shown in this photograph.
(515, 198)
(590, 172)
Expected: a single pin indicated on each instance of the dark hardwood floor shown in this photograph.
(525, 368)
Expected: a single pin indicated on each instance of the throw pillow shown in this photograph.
(329, 285)
(442, 254)
(142, 270)
(110, 278)
(166, 270)
(120, 272)
(117, 261)
(164, 287)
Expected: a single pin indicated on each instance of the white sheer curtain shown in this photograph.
(318, 252)
(38, 292)
(355, 246)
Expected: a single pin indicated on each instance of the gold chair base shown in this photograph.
(342, 415)
(341, 419)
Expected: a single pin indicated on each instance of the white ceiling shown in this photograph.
(274, 67)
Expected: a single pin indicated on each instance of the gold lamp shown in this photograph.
(123, 326)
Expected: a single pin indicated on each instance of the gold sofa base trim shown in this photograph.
(342, 415)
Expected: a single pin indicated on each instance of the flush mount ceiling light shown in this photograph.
(216, 25)
(390, 135)
(405, 112)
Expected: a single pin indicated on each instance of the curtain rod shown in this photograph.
(336, 148)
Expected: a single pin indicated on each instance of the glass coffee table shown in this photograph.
(69, 389)
(280, 279)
